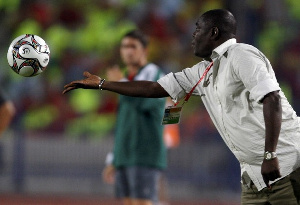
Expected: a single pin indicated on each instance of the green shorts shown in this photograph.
(286, 191)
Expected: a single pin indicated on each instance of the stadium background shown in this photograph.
(54, 151)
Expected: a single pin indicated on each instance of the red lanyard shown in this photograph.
(187, 97)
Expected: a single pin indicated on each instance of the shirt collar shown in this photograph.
(221, 49)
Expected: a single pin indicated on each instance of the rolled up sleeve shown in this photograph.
(263, 88)
(256, 72)
(172, 86)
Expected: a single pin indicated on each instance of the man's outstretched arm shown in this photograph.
(147, 89)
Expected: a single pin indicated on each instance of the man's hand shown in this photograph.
(90, 82)
(114, 73)
(108, 174)
(270, 170)
(146, 89)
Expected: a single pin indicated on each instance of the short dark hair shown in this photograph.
(140, 36)
(222, 19)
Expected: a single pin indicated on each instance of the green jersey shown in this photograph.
(139, 133)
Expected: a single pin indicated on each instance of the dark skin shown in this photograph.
(272, 110)
(205, 39)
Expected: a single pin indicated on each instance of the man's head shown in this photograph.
(213, 28)
(134, 48)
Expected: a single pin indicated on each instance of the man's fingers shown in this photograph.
(86, 74)
(68, 89)
(275, 175)
(90, 82)
(266, 180)
(271, 177)
(68, 85)
(270, 171)
(278, 173)
(74, 84)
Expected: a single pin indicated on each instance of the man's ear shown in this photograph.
(215, 33)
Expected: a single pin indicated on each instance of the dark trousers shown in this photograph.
(286, 191)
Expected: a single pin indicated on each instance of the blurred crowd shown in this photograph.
(85, 35)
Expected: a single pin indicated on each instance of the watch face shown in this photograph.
(269, 156)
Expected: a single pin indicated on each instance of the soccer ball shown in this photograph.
(28, 55)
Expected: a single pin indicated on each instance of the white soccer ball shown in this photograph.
(28, 55)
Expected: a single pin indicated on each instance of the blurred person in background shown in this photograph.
(139, 154)
(245, 102)
(7, 112)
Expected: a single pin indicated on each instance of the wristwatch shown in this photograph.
(270, 155)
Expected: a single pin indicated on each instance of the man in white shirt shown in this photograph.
(245, 102)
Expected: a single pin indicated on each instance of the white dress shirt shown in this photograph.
(231, 92)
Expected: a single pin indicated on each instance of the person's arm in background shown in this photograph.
(134, 88)
(7, 112)
(108, 173)
(114, 73)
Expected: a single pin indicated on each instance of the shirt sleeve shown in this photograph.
(179, 84)
(172, 86)
(256, 73)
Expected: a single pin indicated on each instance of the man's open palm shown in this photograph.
(90, 82)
